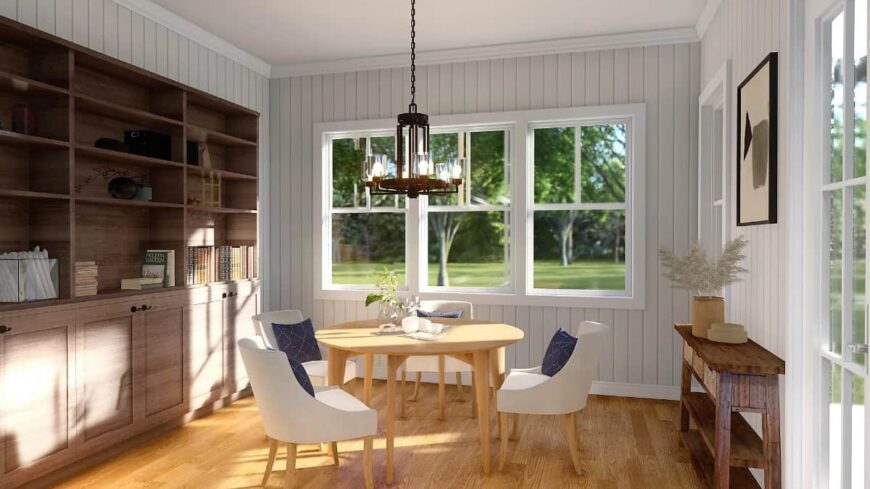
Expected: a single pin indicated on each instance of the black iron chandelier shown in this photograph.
(414, 172)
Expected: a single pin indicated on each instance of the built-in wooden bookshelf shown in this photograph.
(54, 181)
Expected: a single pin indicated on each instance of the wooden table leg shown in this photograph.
(722, 435)
(481, 387)
(770, 432)
(367, 378)
(336, 365)
(496, 382)
(392, 368)
(442, 408)
(402, 393)
(685, 387)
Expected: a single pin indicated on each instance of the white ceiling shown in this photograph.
(285, 32)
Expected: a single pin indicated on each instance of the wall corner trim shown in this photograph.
(155, 12)
(707, 15)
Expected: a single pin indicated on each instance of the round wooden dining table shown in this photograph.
(472, 341)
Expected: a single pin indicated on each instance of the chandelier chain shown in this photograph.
(413, 53)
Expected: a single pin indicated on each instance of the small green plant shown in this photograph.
(387, 283)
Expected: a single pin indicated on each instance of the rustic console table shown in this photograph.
(735, 378)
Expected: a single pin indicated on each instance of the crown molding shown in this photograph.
(192, 31)
(706, 17)
(535, 48)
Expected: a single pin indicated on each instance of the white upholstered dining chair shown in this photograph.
(440, 364)
(528, 391)
(318, 370)
(292, 416)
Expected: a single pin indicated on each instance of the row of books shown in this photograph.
(86, 278)
(220, 263)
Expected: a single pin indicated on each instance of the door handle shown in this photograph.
(145, 307)
(4, 329)
(859, 348)
(134, 309)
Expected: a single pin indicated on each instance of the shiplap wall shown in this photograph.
(745, 31)
(642, 348)
(114, 30)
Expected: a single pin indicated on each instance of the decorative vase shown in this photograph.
(706, 310)
(388, 313)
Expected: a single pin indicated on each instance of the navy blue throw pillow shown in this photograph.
(434, 314)
(558, 352)
(301, 376)
(297, 341)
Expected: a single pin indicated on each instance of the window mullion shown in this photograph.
(578, 156)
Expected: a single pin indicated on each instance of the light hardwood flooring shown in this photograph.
(623, 443)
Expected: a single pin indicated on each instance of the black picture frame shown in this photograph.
(770, 61)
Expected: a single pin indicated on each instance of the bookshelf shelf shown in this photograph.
(203, 135)
(128, 203)
(10, 82)
(125, 158)
(26, 194)
(224, 174)
(26, 140)
(120, 112)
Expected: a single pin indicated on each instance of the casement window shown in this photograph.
(548, 214)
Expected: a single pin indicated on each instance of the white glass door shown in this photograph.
(845, 250)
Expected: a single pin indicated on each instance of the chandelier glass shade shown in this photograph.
(414, 172)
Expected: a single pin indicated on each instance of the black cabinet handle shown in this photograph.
(224, 295)
(4, 329)
(145, 307)
(233, 294)
(134, 309)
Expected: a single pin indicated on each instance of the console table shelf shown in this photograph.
(735, 378)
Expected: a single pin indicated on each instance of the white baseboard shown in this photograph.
(615, 389)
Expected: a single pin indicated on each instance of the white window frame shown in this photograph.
(521, 124)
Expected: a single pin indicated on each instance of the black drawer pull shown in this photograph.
(134, 309)
(224, 295)
(233, 294)
(4, 329)
(145, 307)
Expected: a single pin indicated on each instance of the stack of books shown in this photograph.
(141, 283)
(86, 278)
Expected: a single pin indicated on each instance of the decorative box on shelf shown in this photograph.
(28, 279)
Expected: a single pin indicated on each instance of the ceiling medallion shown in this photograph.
(414, 172)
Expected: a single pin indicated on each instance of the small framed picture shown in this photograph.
(757, 145)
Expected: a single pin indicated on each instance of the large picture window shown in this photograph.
(546, 214)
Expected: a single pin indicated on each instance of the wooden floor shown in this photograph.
(624, 443)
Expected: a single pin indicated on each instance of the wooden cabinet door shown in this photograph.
(107, 339)
(204, 324)
(37, 395)
(164, 393)
(242, 303)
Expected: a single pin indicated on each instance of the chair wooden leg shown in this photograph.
(368, 448)
(473, 397)
(459, 385)
(402, 393)
(334, 448)
(503, 433)
(571, 434)
(291, 466)
(515, 433)
(273, 449)
(417, 385)
(442, 405)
